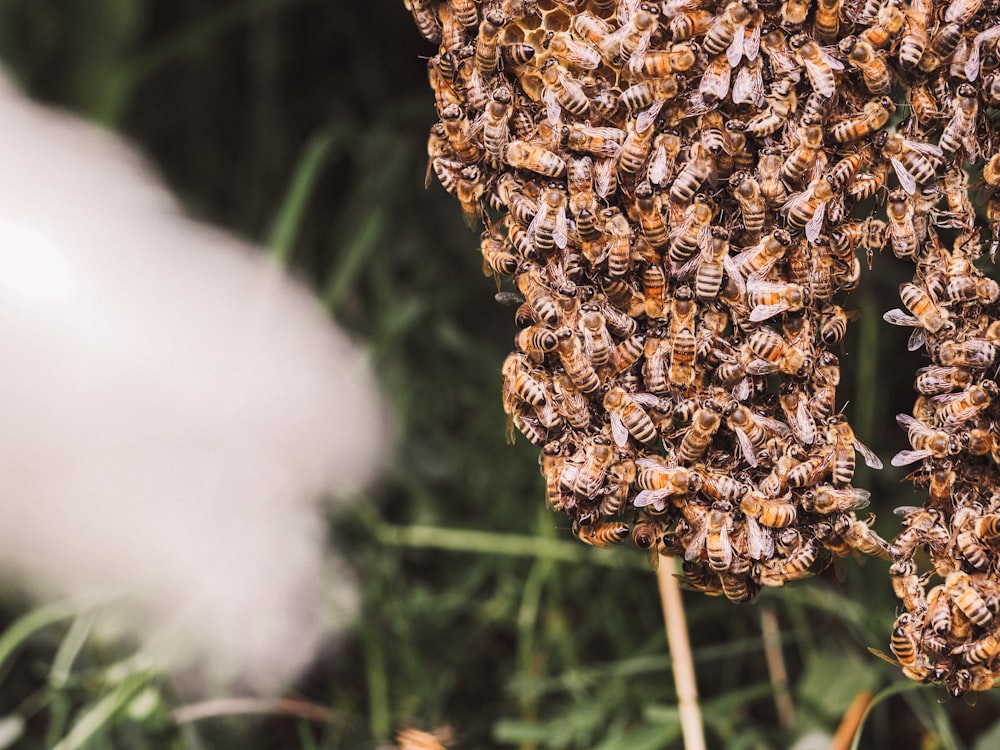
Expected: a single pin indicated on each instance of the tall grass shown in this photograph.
(301, 124)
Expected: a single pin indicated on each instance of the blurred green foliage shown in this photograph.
(301, 124)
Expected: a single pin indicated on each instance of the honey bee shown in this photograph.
(658, 481)
(774, 513)
(874, 115)
(775, 354)
(642, 95)
(795, 407)
(781, 103)
(637, 144)
(915, 39)
(940, 46)
(753, 208)
(571, 405)
(826, 23)
(698, 168)
(666, 147)
(714, 84)
(602, 141)
(523, 155)
(974, 353)
(769, 298)
(807, 210)
(927, 314)
(495, 126)
(926, 442)
(936, 379)
(681, 371)
(603, 534)
(818, 63)
(575, 53)
(561, 91)
(627, 416)
(693, 230)
(796, 565)
(772, 187)
(704, 424)
(967, 598)
(548, 230)
(579, 369)
(793, 13)
(726, 33)
(859, 536)
(713, 538)
(827, 500)
(631, 40)
(955, 408)
(496, 260)
(960, 131)
(906, 647)
(861, 54)
(536, 341)
(619, 243)
(756, 261)
(586, 477)
(845, 443)
(803, 157)
(648, 209)
(677, 59)
(962, 11)
(714, 257)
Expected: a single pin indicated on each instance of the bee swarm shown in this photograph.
(679, 191)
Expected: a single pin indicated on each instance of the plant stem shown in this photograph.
(680, 655)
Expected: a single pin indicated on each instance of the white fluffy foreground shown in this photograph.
(171, 409)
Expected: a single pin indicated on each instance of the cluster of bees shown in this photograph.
(677, 194)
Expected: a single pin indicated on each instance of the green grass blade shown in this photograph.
(289, 219)
(103, 711)
(26, 626)
(895, 688)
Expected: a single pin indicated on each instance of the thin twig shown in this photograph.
(776, 668)
(851, 722)
(680, 655)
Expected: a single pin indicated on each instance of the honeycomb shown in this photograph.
(678, 195)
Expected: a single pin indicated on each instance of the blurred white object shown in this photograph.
(172, 408)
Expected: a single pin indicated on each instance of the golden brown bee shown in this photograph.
(601, 534)
(940, 46)
(967, 598)
(713, 538)
(874, 115)
(795, 566)
(827, 500)
(927, 314)
(776, 354)
(826, 23)
(915, 39)
(934, 380)
(974, 353)
(726, 33)
(638, 142)
(715, 253)
(775, 513)
(810, 144)
(955, 408)
(657, 481)
(666, 147)
(753, 209)
(576, 53)
(548, 230)
(926, 442)
(960, 130)
(698, 168)
(818, 63)
(574, 360)
(914, 162)
(524, 155)
(861, 54)
(650, 218)
(425, 19)
(715, 81)
(693, 230)
(905, 644)
(586, 477)
(845, 443)
(627, 416)
(704, 424)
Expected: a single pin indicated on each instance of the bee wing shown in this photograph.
(905, 458)
(627, 9)
(794, 201)
(749, 452)
(906, 180)
(560, 233)
(648, 400)
(760, 543)
(604, 177)
(732, 269)
(693, 550)
(638, 56)
(656, 172)
(734, 52)
(972, 64)
(873, 461)
(908, 422)
(923, 147)
(817, 77)
(917, 339)
(765, 312)
(552, 108)
(899, 317)
(830, 58)
(761, 367)
(803, 425)
(645, 119)
(582, 55)
(772, 424)
(748, 88)
(751, 45)
(618, 430)
(858, 498)
(652, 497)
(814, 227)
